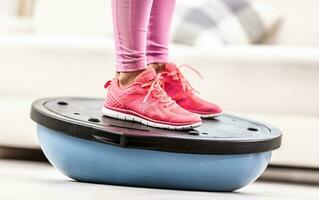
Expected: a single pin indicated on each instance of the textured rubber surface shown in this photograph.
(90, 161)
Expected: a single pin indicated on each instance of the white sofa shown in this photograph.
(275, 83)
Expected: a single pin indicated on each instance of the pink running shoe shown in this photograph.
(146, 102)
(178, 88)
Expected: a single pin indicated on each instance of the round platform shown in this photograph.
(223, 154)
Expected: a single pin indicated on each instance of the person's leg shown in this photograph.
(175, 84)
(158, 33)
(130, 24)
(137, 94)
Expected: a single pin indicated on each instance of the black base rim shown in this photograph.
(73, 116)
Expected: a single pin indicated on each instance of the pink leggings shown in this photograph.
(141, 32)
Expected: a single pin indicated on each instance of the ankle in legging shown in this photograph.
(141, 32)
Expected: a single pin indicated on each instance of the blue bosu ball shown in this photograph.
(225, 154)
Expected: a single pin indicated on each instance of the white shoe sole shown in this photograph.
(129, 117)
(210, 115)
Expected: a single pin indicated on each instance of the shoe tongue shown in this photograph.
(170, 67)
(146, 76)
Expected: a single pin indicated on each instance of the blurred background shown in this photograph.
(260, 60)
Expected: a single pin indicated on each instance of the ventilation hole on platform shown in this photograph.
(204, 133)
(93, 120)
(193, 133)
(76, 113)
(62, 103)
(252, 129)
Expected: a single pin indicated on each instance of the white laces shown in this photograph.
(155, 87)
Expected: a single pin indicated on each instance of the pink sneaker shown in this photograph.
(177, 87)
(146, 102)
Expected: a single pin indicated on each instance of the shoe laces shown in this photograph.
(177, 75)
(156, 88)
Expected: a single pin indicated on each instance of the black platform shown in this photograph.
(226, 134)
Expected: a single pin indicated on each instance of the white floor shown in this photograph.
(27, 180)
